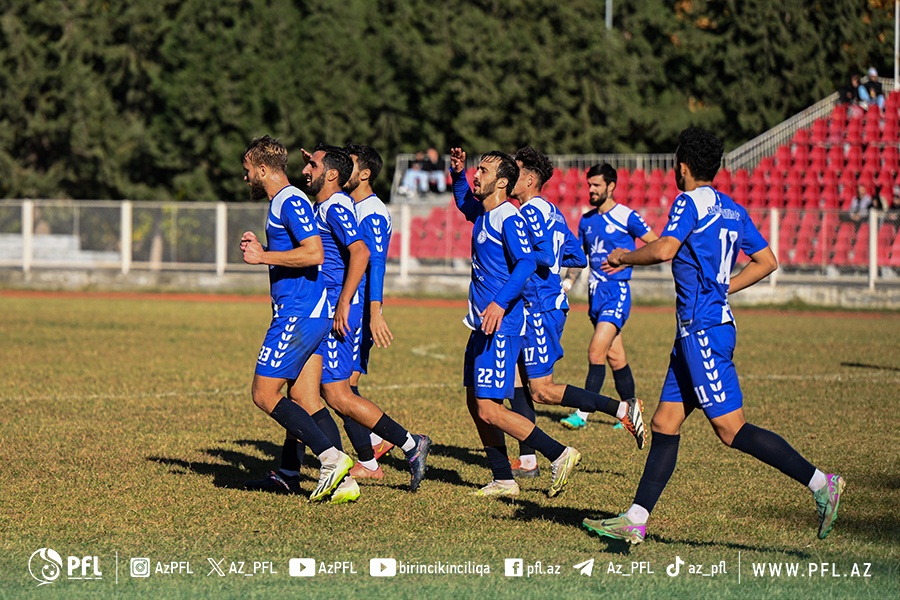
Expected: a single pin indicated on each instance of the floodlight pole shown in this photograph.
(896, 44)
(609, 22)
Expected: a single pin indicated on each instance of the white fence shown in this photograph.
(812, 245)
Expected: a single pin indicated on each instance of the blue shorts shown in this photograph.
(364, 343)
(701, 373)
(490, 365)
(542, 347)
(289, 343)
(610, 303)
(339, 353)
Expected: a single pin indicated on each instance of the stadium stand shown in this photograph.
(810, 176)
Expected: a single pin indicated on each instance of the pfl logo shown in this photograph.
(45, 565)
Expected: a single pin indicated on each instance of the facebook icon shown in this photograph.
(514, 567)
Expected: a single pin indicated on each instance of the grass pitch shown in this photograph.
(127, 430)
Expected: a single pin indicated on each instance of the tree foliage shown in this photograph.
(157, 99)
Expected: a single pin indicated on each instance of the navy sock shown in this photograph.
(326, 423)
(390, 430)
(624, 383)
(773, 450)
(302, 426)
(359, 435)
(594, 381)
(544, 444)
(498, 462)
(521, 404)
(290, 458)
(587, 401)
(659, 468)
(359, 438)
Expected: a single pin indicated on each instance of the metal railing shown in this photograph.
(812, 244)
(748, 155)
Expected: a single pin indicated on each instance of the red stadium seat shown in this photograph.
(895, 253)
(793, 197)
(853, 132)
(890, 158)
(624, 179)
(800, 137)
(758, 196)
(891, 133)
(860, 252)
(819, 131)
(853, 160)
(872, 128)
(843, 244)
(817, 159)
(394, 246)
(783, 159)
(836, 157)
(800, 159)
(722, 180)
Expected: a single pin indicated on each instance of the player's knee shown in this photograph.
(263, 401)
(336, 399)
(662, 425)
(542, 393)
(596, 357)
(616, 362)
(487, 411)
(726, 435)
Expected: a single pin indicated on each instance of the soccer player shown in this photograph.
(502, 263)
(705, 232)
(375, 226)
(327, 170)
(608, 225)
(546, 309)
(300, 319)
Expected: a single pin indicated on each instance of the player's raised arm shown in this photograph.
(462, 193)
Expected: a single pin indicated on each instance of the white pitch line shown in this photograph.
(887, 377)
(876, 377)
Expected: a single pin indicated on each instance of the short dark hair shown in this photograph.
(507, 168)
(266, 150)
(606, 171)
(536, 162)
(338, 159)
(366, 158)
(701, 151)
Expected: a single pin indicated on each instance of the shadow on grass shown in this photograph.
(526, 510)
(600, 419)
(231, 468)
(449, 476)
(865, 366)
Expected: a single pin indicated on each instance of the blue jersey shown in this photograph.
(601, 233)
(712, 229)
(295, 292)
(336, 218)
(375, 225)
(556, 246)
(502, 259)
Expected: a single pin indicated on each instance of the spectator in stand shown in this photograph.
(426, 172)
(888, 205)
(850, 94)
(860, 204)
(872, 92)
(436, 170)
(415, 180)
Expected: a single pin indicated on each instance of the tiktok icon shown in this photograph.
(675, 568)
